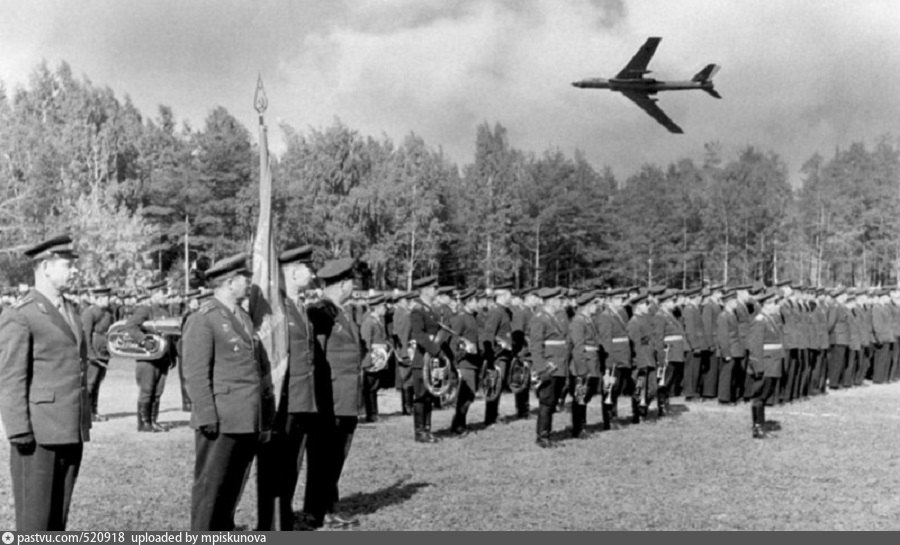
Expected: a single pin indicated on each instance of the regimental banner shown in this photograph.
(266, 305)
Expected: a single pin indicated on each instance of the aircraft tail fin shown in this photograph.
(706, 74)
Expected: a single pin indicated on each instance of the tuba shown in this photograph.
(153, 345)
(439, 373)
(378, 356)
(519, 378)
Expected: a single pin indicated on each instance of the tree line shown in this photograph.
(74, 157)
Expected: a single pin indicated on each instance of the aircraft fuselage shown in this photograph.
(640, 85)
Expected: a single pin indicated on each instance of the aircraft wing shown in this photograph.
(637, 66)
(649, 105)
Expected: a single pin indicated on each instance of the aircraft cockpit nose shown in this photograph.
(578, 84)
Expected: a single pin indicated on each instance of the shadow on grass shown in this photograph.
(110, 416)
(772, 425)
(366, 503)
(175, 424)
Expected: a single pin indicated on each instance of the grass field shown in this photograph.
(834, 465)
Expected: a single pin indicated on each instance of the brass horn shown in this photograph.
(378, 356)
(153, 345)
(519, 378)
(492, 381)
(438, 373)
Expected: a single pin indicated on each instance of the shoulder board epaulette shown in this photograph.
(23, 301)
(206, 307)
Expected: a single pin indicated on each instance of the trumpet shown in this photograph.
(579, 393)
(661, 370)
(641, 386)
(609, 380)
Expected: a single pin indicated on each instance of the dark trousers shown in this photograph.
(882, 365)
(492, 408)
(151, 379)
(709, 374)
(837, 361)
(278, 469)
(815, 372)
(623, 385)
(548, 393)
(42, 483)
(467, 387)
(726, 379)
(221, 467)
(328, 447)
(675, 377)
(895, 360)
(691, 382)
(764, 391)
(852, 367)
(800, 373)
(370, 383)
(95, 375)
(786, 382)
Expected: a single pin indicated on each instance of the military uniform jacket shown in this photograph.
(547, 342)
(371, 332)
(401, 335)
(728, 335)
(693, 326)
(895, 319)
(839, 334)
(95, 322)
(867, 336)
(299, 381)
(820, 327)
(709, 312)
(585, 345)
(766, 346)
(742, 311)
(424, 329)
(882, 323)
(497, 333)
(464, 323)
(612, 326)
(640, 333)
(222, 370)
(337, 359)
(673, 337)
(855, 336)
(42, 372)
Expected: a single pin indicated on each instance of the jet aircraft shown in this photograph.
(632, 83)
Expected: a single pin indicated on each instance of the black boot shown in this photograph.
(661, 404)
(544, 425)
(635, 411)
(154, 415)
(491, 410)
(143, 417)
(523, 409)
(426, 425)
(407, 401)
(759, 431)
(607, 416)
(418, 410)
(579, 419)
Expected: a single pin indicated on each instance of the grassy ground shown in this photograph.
(834, 465)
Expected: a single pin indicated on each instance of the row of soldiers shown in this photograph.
(648, 344)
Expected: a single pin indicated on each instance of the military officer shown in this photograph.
(280, 460)
(150, 373)
(766, 356)
(612, 324)
(640, 334)
(337, 364)
(549, 350)
(424, 330)
(228, 394)
(400, 333)
(373, 334)
(464, 344)
(692, 319)
(674, 350)
(95, 321)
(497, 347)
(731, 347)
(586, 366)
(710, 308)
(43, 393)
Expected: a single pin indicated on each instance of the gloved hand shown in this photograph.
(210, 431)
(23, 442)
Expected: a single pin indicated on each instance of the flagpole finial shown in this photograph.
(260, 101)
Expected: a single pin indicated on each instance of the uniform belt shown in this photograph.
(620, 339)
(673, 338)
(554, 343)
(776, 346)
(588, 348)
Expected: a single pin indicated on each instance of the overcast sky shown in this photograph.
(798, 76)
